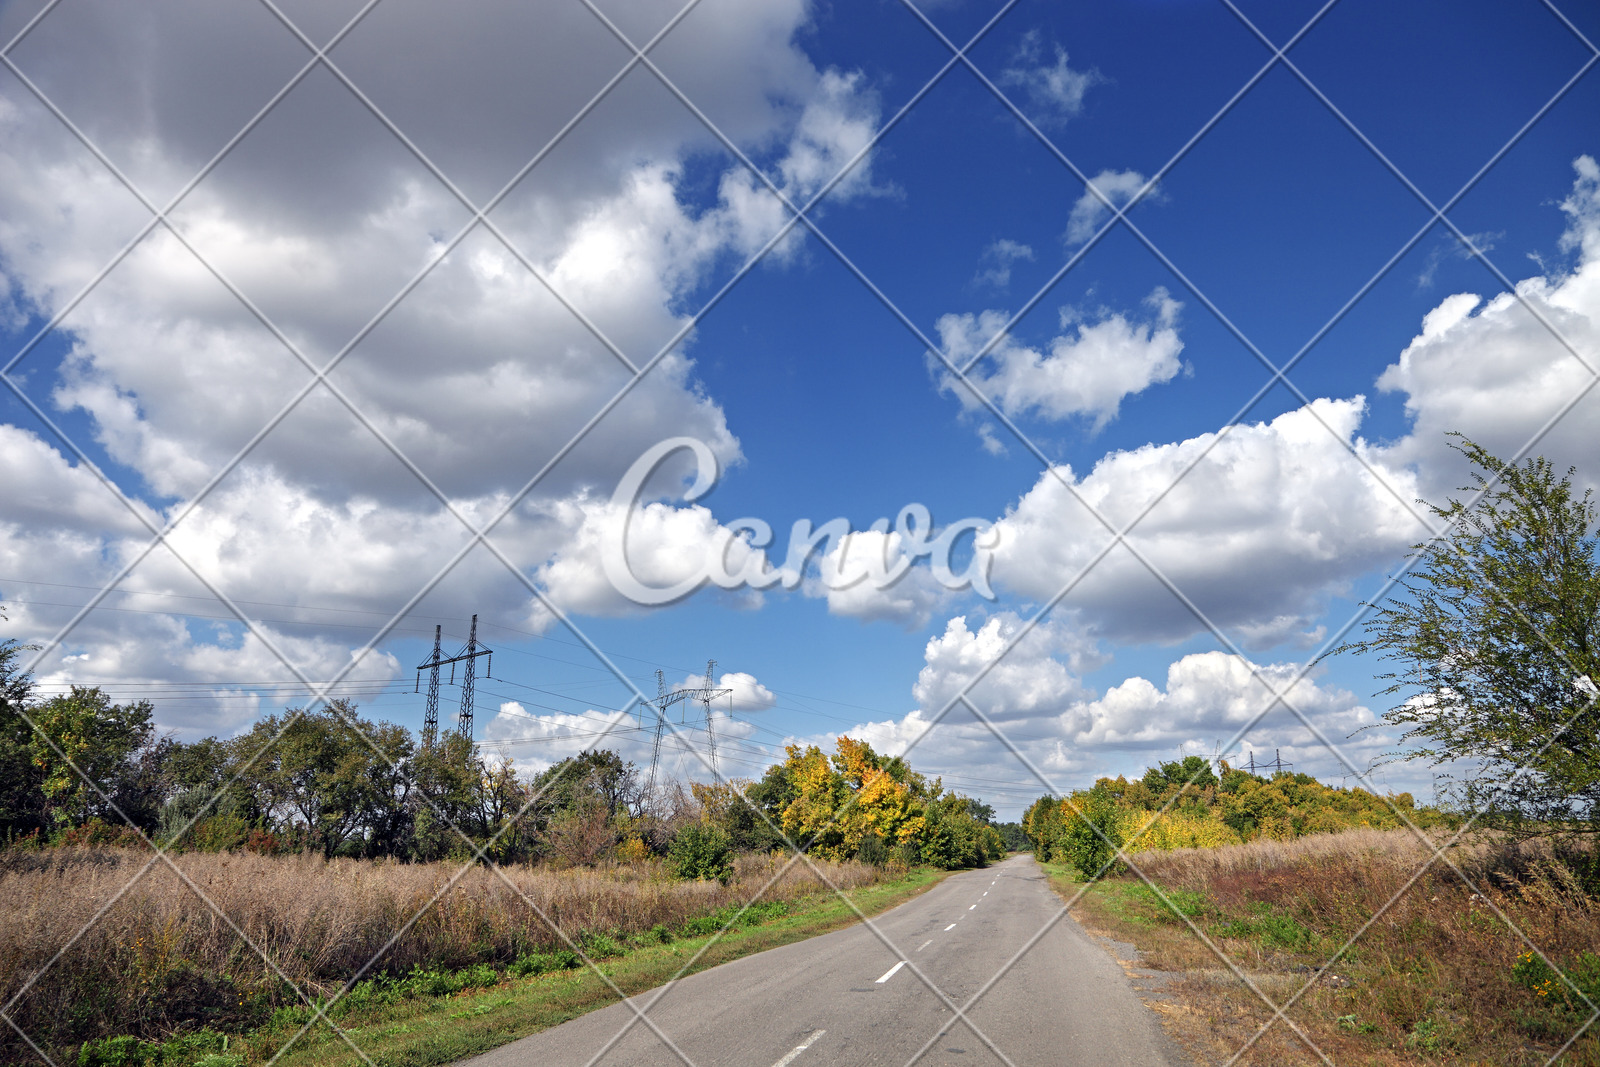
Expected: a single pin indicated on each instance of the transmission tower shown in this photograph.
(430, 717)
(468, 655)
(704, 694)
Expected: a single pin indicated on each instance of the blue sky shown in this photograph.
(815, 396)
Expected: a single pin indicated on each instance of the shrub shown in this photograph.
(1089, 842)
(532, 963)
(873, 851)
(116, 1052)
(1533, 973)
(700, 851)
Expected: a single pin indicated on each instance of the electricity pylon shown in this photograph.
(468, 655)
(704, 694)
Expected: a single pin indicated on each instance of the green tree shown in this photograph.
(329, 772)
(701, 851)
(1495, 646)
(85, 750)
(1089, 841)
(22, 809)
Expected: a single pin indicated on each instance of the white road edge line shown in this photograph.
(947, 929)
(890, 975)
(925, 944)
(793, 1053)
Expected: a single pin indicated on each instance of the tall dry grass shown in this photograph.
(161, 957)
(1432, 978)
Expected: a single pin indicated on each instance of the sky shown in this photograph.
(320, 290)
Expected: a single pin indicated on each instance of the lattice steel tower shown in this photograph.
(468, 655)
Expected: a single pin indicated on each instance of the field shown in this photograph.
(1440, 977)
(159, 962)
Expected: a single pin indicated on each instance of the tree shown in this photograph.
(87, 750)
(1495, 646)
(21, 801)
(329, 772)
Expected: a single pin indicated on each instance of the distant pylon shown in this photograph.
(469, 655)
(705, 698)
(661, 725)
(430, 717)
(468, 686)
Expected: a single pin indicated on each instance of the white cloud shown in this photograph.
(1071, 734)
(1209, 695)
(852, 577)
(1054, 87)
(1271, 518)
(1000, 256)
(1087, 371)
(1041, 673)
(479, 375)
(1116, 186)
(748, 693)
(1492, 370)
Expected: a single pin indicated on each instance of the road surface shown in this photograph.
(846, 998)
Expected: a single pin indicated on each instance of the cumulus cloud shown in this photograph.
(1494, 369)
(1284, 502)
(539, 741)
(748, 693)
(856, 578)
(479, 375)
(1070, 733)
(1090, 210)
(1042, 672)
(1085, 371)
(1052, 86)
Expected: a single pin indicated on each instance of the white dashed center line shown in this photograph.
(973, 906)
(947, 929)
(985, 892)
(925, 944)
(801, 1047)
(890, 975)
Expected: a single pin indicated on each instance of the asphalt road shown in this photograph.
(847, 998)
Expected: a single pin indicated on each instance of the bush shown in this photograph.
(873, 851)
(700, 851)
(532, 963)
(116, 1052)
(1089, 842)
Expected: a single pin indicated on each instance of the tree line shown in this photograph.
(1186, 804)
(90, 770)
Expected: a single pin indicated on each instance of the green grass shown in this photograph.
(429, 1017)
(1137, 903)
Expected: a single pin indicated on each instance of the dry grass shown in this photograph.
(1430, 981)
(160, 958)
